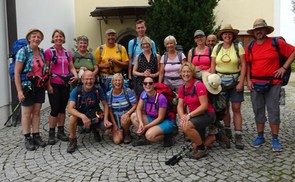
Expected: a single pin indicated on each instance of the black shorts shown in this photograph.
(36, 95)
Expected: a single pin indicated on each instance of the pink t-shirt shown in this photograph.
(192, 101)
(61, 66)
(202, 60)
(38, 65)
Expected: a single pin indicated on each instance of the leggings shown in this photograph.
(59, 99)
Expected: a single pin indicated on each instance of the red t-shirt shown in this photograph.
(192, 101)
(265, 60)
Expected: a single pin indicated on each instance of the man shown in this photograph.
(211, 40)
(134, 48)
(84, 109)
(111, 57)
(263, 69)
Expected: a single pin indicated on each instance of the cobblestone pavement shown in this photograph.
(105, 161)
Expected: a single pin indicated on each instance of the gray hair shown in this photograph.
(170, 38)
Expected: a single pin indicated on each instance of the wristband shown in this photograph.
(284, 68)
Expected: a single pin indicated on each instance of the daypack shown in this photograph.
(54, 54)
(101, 50)
(283, 59)
(209, 53)
(179, 55)
(16, 46)
(80, 94)
(236, 46)
(126, 94)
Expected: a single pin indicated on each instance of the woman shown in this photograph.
(200, 55)
(122, 103)
(146, 64)
(83, 59)
(151, 117)
(194, 110)
(30, 60)
(61, 67)
(228, 60)
(170, 63)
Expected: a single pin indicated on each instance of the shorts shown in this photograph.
(37, 95)
(99, 125)
(269, 99)
(166, 126)
(234, 96)
(202, 121)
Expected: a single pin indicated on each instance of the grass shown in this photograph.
(293, 67)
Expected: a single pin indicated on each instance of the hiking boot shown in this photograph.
(61, 135)
(38, 141)
(127, 138)
(257, 142)
(140, 142)
(168, 140)
(238, 141)
(223, 141)
(72, 145)
(29, 144)
(276, 146)
(96, 134)
(51, 138)
(197, 154)
(228, 133)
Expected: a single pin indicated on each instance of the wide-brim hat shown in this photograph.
(34, 30)
(227, 28)
(260, 23)
(212, 82)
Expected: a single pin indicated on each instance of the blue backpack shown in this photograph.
(16, 46)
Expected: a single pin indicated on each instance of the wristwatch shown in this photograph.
(189, 114)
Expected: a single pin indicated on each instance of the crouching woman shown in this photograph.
(194, 110)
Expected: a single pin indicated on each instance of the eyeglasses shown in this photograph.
(38, 62)
(148, 83)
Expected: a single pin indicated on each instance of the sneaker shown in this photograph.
(228, 133)
(38, 141)
(198, 154)
(238, 141)
(72, 147)
(29, 144)
(62, 136)
(127, 138)
(257, 142)
(140, 142)
(276, 146)
(223, 141)
(51, 138)
(168, 140)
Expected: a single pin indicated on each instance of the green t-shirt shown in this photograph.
(87, 61)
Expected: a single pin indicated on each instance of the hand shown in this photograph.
(50, 89)
(240, 87)
(107, 123)
(86, 121)
(21, 96)
(199, 68)
(73, 79)
(184, 120)
(147, 72)
(141, 129)
(279, 73)
(250, 85)
(83, 68)
(125, 117)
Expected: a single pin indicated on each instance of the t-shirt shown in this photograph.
(136, 50)
(265, 58)
(227, 60)
(87, 60)
(61, 66)
(202, 60)
(192, 101)
(150, 106)
(119, 103)
(88, 99)
(111, 52)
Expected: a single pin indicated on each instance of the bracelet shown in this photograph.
(284, 68)
(189, 114)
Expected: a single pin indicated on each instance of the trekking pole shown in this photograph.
(176, 158)
(14, 110)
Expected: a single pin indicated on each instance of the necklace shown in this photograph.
(225, 58)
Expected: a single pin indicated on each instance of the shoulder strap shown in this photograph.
(53, 57)
(100, 51)
(218, 48)
(193, 91)
(193, 52)
(210, 51)
(126, 94)
(275, 43)
(179, 54)
(79, 96)
(165, 58)
(236, 46)
(134, 47)
(67, 55)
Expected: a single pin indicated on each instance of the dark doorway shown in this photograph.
(125, 40)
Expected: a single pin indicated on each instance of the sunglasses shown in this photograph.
(148, 83)
(38, 62)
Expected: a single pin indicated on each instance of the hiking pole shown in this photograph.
(14, 110)
(176, 158)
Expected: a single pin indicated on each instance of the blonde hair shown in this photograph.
(170, 38)
(115, 76)
(146, 39)
(191, 67)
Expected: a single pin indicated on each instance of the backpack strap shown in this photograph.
(179, 56)
(79, 96)
(134, 47)
(275, 43)
(193, 91)
(193, 53)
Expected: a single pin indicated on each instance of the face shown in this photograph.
(227, 37)
(211, 41)
(146, 46)
(186, 74)
(148, 84)
(260, 33)
(82, 45)
(35, 38)
(200, 40)
(58, 38)
(170, 46)
(140, 29)
(111, 38)
(88, 80)
(118, 82)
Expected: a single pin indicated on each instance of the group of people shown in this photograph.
(82, 83)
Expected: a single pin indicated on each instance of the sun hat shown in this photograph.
(212, 82)
(110, 31)
(227, 28)
(33, 30)
(260, 23)
(199, 32)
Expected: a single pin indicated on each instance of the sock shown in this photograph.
(201, 147)
(36, 134)
(275, 136)
(28, 135)
(51, 129)
(60, 128)
(260, 133)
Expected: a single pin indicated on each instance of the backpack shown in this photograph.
(194, 49)
(54, 54)
(80, 94)
(164, 89)
(283, 59)
(16, 46)
(179, 55)
(77, 56)
(101, 50)
(126, 94)
(236, 46)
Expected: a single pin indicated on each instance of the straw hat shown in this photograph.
(227, 28)
(212, 82)
(260, 23)
(33, 30)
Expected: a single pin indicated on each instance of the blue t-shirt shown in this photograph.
(138, 49)
(119, 103)
(150, 106)
(88, 99)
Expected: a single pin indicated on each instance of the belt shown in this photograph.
(172, 78)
